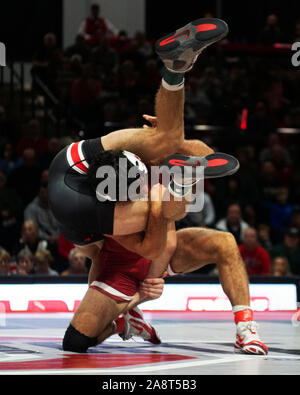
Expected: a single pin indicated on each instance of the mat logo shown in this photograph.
(2, 54)
(296, 56)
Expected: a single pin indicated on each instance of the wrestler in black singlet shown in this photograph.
(82, 218)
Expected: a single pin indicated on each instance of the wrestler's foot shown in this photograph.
(247, 339)
(179, 50)
(214, 165)
(136, 325)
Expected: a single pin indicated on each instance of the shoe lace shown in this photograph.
(252, 326)
(248, 326)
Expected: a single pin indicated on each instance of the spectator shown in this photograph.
(283, 166)
(105, 59)
(271, 32)
(295, 219)
(268, 153)
(120, 43)
(46, 60)
(268, 181)
(9, 160)
(260, 123)
(5, 263)
(264, 236)
(151, 77)
(290, 249)
(79, 48)
(38, 211)
(54, 147)
(280, 267)
(233, 222)
(296, 32)
(86, 91)
(95, 27)
(256, 258)
(25, 263)
(26, 178)
(10, 214)
(143, 46)
(127, 81)
(43, 261)
(30, 239)
(280, 213)
(8, 128)
(33, 139)
(77, 263)
(205, 217)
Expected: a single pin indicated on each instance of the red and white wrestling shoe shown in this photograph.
(247, 339)
(136, 325)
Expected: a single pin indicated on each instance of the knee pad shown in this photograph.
(77, 342)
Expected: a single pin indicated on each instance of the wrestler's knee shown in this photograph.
(225, 246)
(76, 341)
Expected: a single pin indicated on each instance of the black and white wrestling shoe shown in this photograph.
(179, 50)
(213, 165)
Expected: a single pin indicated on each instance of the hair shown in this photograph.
(109, 158)
(73, 252)
(25, 254)
(36, 226)
(43, 255)
(5, 255)
(286, 263)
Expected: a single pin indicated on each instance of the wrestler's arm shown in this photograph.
(92, 251)
(152, 286)
(160, 264)
(148, 145)
(150, 243)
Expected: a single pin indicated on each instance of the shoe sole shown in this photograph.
(254, 349)
(189, 41)
(215, 165)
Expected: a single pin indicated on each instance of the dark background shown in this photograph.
(245, 18)
(23, 23)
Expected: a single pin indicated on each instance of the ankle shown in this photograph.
(172, 81)
(242, 313)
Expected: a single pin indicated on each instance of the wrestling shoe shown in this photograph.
(136, 325)
(179, 50)
(214, 165)
(247, 339)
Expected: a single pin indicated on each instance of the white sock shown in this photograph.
(240, 307)
(169, 87)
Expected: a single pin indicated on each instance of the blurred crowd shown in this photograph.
(108, 80)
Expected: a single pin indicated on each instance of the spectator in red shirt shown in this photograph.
(256, 258)
(94, 27)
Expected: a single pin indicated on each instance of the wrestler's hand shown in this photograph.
(151, 288)
(150, 119)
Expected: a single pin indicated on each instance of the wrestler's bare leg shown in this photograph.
(94, 315)
(197, 247)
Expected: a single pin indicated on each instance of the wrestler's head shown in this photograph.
(117, 176)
